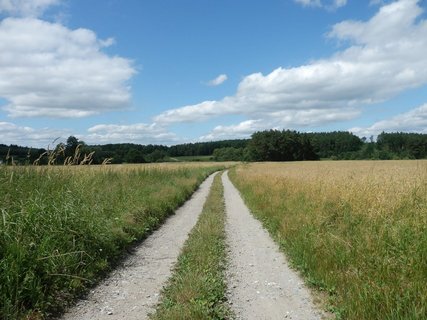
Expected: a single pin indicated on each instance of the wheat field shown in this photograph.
(357, 230)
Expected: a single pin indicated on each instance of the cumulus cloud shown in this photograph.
(27, 8)
(414, 120)
(333, 4)
(141, 133)
(218, 80)
(389, 28)
(11, 133)
(279, 120)
(385, 56)
(47, 69)
(240, 131)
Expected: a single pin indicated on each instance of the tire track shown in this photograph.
(132, 291)
(261, 284)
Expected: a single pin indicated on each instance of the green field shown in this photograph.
(61, 228)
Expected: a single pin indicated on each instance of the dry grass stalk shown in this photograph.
(37, 161)
(107, 161)
(8, 155)
(87, 159)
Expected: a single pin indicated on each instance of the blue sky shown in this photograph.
(169, 71)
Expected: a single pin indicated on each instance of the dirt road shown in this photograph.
(261, 285)
(132, 290)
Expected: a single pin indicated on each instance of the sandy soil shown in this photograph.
(132, 291)
(261, 285)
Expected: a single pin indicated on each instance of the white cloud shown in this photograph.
(47, 69)
(218, 80)
(309, 3)
(27, 8)
(240, 131)
(412, 121)
(332, 4)
(339, 3)
(280, 120)
(386, 56)
(388, 29)
(11, 133)
(141, 133)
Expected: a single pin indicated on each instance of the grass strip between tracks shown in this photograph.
(197, 288)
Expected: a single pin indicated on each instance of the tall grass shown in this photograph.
(197, 288)
(357, 230)
(61, 228)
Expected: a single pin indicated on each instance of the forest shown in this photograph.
(269, 145)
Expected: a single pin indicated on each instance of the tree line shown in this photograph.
(269, 145)
(286, 145)
(115, 153)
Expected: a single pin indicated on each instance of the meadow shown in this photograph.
(64, 227)
(357, 230)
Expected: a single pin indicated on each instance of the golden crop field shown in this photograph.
(356, 229)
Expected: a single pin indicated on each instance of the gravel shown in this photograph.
(261, 285)
(132, 291)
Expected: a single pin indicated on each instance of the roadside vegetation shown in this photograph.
(356, 230)
(61, 228)
(197, 288)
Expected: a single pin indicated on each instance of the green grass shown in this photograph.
(62, 228)
(357, 231)
(197, 287)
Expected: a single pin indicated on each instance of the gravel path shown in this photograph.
(132, 291)
(261, 285)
